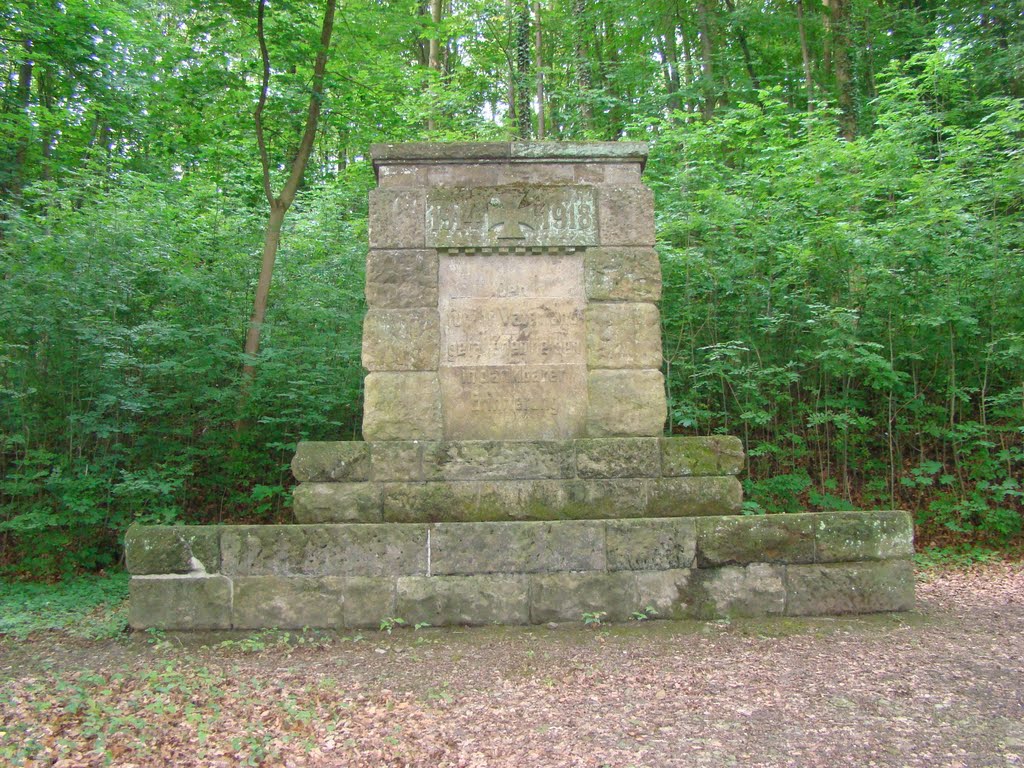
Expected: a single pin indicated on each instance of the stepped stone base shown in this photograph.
(488, 480)
(354, 575)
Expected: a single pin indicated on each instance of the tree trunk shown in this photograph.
(579, 8)
(279, 205)
(747, 60)
(522, 78)
(433, 57)
(539, 56)
(805, 54)
(707, 74)
(840, 25)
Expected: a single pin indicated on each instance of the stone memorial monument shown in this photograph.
(514, 467)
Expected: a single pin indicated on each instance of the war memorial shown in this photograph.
(514, 467)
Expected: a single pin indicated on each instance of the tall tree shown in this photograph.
(280, 203)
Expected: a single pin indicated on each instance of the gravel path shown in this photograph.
(943, 686)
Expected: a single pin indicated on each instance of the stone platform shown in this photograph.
(354, 575)
(481, 480)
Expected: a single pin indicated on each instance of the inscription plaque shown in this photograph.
(513, 361)
(511, 217)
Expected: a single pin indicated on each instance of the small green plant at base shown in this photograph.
(594, 618)
(649, 612)
(421, 625)
(390, 623)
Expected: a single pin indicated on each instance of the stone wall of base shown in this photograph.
(354, 575)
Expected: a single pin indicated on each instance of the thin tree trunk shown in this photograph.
(579, 8)
(707, 74)
(279, 205)
(539, 56)
(748, 62)
(805, 54)
(840, 23)
(433, 58)
(675, 103)
(522, 59)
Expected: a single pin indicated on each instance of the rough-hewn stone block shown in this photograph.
(396, 459)
(651, 544)
(396, 218)
(715, 455)
(623, 335)
(626, 216)
(625, 403)
(324, 462)
(429, 502)
(695, 496)
(497, 460)
(172, 549)
(668, 592)
(446, 600)
(338, 503)
(834, 588)
(517, 547)
(522, 499)
(622, 274)
(198, 601)
(751, 590)
(762, 539)
(324, 550)
(617, 498)
(401, 340)
(368, 600)
(864, 536)
(402, 406)
(288, 602)
(618, 457)
(567, 596)
(403, 279)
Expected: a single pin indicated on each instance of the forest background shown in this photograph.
(839, 193)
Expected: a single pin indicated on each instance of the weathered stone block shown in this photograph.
(324, 462)
(396, 459)
(198, 601)
(401, 340)
(625, 403)
(517, 547)
(338, 502)
(446, 600)
(368, 601)
(752, 590)
(403, 279)
(714, 455)
(517, 216)
(651, 544)
(152, 549)
(567, 596)
(762, 539)
(623, 335)
(608, 499)
(402, 406)
(429, 502)
(668, 592)
(402, 176)
(396, 218)
(833, 588)
(622, 274)
(324, 550)
(522, 499)
(695, 496)
(288, 602)
(497, 459)
(626, 216)
(846, 536)
(618, 457)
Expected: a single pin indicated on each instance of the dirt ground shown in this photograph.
(943, 686)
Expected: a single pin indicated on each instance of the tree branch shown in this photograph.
(313, 114)
(261, 142)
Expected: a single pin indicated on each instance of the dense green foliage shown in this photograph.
(840, 225)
